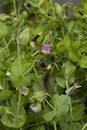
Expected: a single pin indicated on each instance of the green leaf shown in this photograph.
(77, 112)
(73, 55)
(61, 103)
(4, 17)
(67, 42)
(60, 47)
(61, 82)
(42, 127)
(17, 71)
(84, 2)
(71, 26)
(75, 51)
(11, 121)
(64, 44)
(70, 126)
(49, 116)
(41, 2)
(39, 96)
(69, 71)
(24, 36)
(2, 110)
(34, 3)
(2, 71)
(5, 95)
(38, 84)
(58, 10)
(11, 117)
(3, 30)
(83, 62)
(70, 90)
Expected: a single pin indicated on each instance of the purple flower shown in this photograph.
(24, 90)
(46, 48)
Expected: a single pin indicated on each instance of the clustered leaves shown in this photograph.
(43, 66)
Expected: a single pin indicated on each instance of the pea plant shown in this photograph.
(43, 66)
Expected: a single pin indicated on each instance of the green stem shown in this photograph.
(37, 52)
(37, 124)
(55, 128)
(29, 68)
(43, 103)
(50, 96)
(19, 103)
(56, 88)
(35, 72)
(19, 57)
(70, 103)
(19, 7)
(57, 67)
(15, 9)
(6, 45)
(67, 86)
(20, 71)
(84, 127)
(50, 105)
(4, 83)
(53, 10)
(63, 33)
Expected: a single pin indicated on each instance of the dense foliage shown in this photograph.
(43, 67)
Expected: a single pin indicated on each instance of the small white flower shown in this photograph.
(34, 108)
(24, 90)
